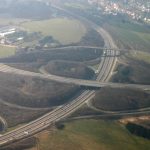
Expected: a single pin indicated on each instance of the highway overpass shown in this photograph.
(84, 83)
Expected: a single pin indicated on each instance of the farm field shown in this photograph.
(143, 56)
(91, 135)
(66, 31)
(11, 21)
(6, 51)
(130, 35)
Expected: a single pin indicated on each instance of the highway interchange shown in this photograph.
(105, 70)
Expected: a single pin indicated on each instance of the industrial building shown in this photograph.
(6, 31)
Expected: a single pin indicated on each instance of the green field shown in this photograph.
(64, 30)
(141, 56)
(6, 51)
(92, 135)
(130, 35)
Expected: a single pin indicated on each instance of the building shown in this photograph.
(7, 31)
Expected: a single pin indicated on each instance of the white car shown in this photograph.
(26, 133)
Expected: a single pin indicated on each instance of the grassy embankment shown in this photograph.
(134, 68)
(69, 69)
(33, 92)
(121, 99)
(18, 116)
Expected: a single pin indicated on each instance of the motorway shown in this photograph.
(105, 70)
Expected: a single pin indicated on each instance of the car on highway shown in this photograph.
(26, 132)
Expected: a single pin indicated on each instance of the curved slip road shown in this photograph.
(4, 123)
(106, 66)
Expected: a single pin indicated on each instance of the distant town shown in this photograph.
(136, 9)
(6, 32)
